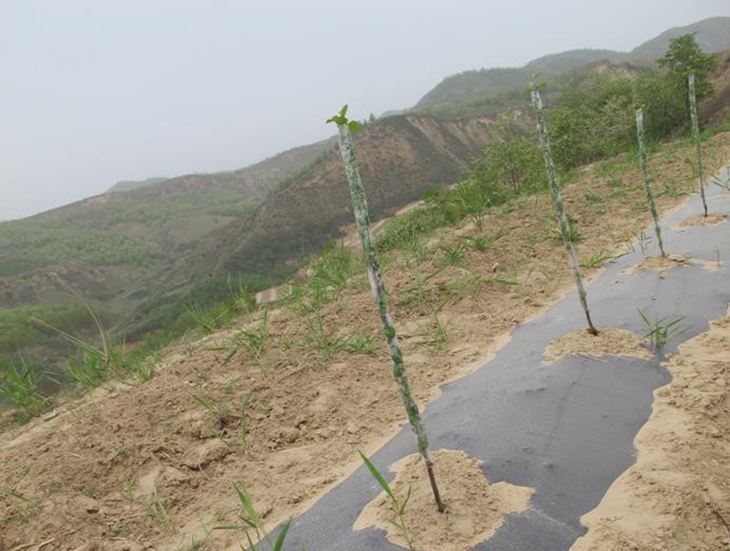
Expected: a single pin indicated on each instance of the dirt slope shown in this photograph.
(399, 158)
(146, 465)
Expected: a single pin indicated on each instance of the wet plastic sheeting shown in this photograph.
(565, 429)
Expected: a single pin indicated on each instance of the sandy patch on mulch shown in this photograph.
(659, 263)
(475, 509)
(609, 342)
(702, 220)
(677, 495)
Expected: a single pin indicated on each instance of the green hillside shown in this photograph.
(713, 35)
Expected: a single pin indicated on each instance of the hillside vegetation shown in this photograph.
(167, 256)
(469, 87)
(125, 251)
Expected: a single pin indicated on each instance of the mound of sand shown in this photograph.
(660, 263)
(677, 495)
(475, 509)
(609, 342)
(702, 220)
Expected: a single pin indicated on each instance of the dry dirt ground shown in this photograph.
(609, 342)
(151, 465)
(677, 495)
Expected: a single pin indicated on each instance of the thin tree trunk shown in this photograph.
(362, 219)
(696, 135)
(562, 218)
(647, 179)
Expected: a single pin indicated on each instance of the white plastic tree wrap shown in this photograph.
(696, 136)
(647, 178)
(559, 208)
(362, 220)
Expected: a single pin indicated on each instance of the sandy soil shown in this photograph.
(702, 220)
(475, 509)
(660, 263)
(677, 495)
(146, 466)
(609, 342)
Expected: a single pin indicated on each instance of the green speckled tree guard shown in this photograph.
(557, 199)
(362, 220)
(696, 135)
(647, 178)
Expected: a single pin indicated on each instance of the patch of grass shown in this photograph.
(360, 344)
(591, 197)
(462, 285)
(616, 183)
(417, 293)
(220, 411)
(128, 491)
(17, 330)
(253, 342)
(143, 368)
(661, 331)
(598, 259)
(19, 385)
(435, 335)
(399, 507)
(90, 370)
(403, 231)
(28, 506)
(319, 340)
(482, 242)
(452, 255)
(160, 511)
(257, 537)
(574, 234)
(327, 275)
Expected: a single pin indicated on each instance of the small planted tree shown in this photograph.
(560, 210)
(647, 179)
(362, 220)
(696, 136)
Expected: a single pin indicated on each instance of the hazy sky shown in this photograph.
(95, 91)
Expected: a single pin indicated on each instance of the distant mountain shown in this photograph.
(129, 185)
(120, 250)
(468, 86)
(567, 61)
(712, 34)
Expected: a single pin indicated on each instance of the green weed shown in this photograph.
(435, 335)
(399, 508)
(483, 242)
(318, 339)
(257, 537)
(360, 344)
(19, 385)
(661, 331)
(90, 370)
(128, 491)
(253, 342)
(593, 197)
(598, 259)
(142, 368)
(452, 255)
(220, 412)
(416, 293)
(159, 510)
(574, 234)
